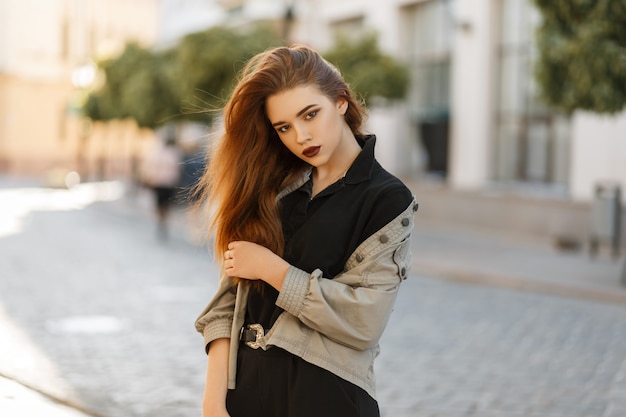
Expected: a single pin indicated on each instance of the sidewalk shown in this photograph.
(508, 250)
(515, 262)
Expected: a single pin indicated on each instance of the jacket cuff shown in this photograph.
(294, 290)
(220, 329)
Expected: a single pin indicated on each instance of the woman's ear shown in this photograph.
(342, 105)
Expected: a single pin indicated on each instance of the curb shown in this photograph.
(512, 282)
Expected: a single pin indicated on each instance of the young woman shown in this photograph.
(312, 235)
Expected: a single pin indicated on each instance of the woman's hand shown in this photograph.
(249, 260)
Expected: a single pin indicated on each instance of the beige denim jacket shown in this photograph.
(333, 323)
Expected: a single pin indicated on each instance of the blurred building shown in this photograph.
(472, 118)
(178, 18)
(471, 121)
(48, 51)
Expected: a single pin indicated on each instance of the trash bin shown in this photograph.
(606, 214)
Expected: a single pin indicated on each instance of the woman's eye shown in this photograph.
(311, 114)
(283, 129)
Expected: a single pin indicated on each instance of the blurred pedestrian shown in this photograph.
(192, 166)
(161, 173)
(312, 235)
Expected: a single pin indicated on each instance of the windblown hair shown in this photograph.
(248, 164)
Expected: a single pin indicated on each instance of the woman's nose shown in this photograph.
(302, 135)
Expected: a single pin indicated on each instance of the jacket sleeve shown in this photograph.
(354, 307)
(216, 319)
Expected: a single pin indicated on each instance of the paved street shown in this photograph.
(98, 313)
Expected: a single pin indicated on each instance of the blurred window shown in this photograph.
(531, 139)
(427, 33)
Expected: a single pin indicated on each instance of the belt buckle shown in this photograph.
(260, 332)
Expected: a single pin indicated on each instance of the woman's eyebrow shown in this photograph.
(300, 113)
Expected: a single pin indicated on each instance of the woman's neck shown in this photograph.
(338, 165)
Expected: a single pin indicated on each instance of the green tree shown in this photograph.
(149, 96)
(205, 65)
(106, 102)
(181, 83)
(582, 54)
(136, 87)
(368, 71)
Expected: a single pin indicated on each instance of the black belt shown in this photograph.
(251, 334)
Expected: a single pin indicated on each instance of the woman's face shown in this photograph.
(308, 123)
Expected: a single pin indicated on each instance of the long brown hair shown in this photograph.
(248, 164)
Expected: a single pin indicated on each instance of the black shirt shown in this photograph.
(322, 232)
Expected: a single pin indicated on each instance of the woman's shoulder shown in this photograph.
(390, 188)
(385, 198)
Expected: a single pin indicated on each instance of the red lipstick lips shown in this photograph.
(311, 151)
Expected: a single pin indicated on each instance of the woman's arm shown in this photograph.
(214, 401)
(215, 323)
(216, 320)
(354, 307)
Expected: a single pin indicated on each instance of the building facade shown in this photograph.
(48, 51)
(471, 118)
(473, 115)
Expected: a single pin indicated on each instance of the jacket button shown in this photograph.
(383, 239)
(359, 257)
(405, 222)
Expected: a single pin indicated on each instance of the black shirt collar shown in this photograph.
(361, 169)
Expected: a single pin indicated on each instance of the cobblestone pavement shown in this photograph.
(96, 311)
(462, 350)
